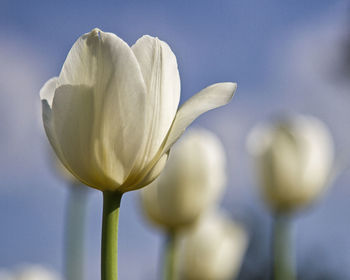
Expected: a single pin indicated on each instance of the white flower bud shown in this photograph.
(294, 161)
(192, 181)
(213, 250)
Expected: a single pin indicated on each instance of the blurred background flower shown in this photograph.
(213, 249)
(294, 159)
(282, 54)
(192, 182)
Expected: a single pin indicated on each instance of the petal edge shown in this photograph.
(211, 97)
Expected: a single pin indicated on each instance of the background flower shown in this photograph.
(213, 249)
(192, 182)
(294, 159)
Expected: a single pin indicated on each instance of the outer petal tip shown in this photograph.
(93, 37)
(234, 85)
(225, 88)
(95, 31)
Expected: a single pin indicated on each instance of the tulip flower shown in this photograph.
(192, 181)
(112, 116)
(294, 159)
(213, 249)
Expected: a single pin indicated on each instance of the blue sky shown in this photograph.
(275, 50)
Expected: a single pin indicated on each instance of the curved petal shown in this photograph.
(106, 69)
(47, 93)
(160, 72)
(72, 121)
(207, 99)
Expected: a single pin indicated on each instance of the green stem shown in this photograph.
(109, 244)
(170, 256)
(74, 232)
(283, 263)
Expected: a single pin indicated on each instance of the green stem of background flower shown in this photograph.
(74, 232)
(170, 256)
(109, 244)
(283, 262)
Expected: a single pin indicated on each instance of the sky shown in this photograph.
(282, 54)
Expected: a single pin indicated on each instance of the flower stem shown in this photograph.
(170, 256)
(74, 232)
(283, 265)
(109, 244)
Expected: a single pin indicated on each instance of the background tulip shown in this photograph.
(111, 117)
(213, 249)
(294, 159)
(192, 181)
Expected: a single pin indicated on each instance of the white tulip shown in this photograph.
(192, 181)
(112, 114)
(294, 160)
(213, 250)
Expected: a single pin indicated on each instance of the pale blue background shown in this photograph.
(283, 55)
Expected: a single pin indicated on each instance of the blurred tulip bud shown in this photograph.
(192, 181)
(112, 114)
(212, 250)
(294, 160)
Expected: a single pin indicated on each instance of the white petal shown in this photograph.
(46, 94)
(106, 69)
(72, 121)
(160, 72)
(209, 98)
